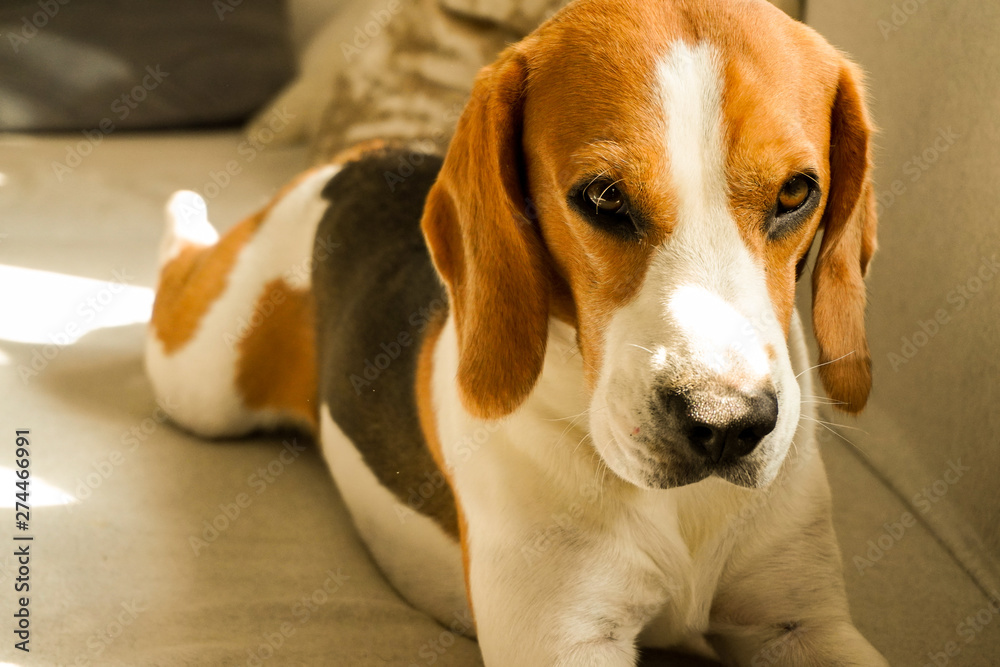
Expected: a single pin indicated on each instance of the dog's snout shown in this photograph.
(719, 422)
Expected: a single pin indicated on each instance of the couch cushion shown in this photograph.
(933, 429)
(109, 65)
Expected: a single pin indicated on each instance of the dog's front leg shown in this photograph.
(832, 642)
(554, 597)
(785, 604)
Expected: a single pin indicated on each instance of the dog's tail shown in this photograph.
(187, 225)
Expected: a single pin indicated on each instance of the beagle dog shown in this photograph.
(558, 374)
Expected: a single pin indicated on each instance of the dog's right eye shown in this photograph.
(604, 198)
(605, 206)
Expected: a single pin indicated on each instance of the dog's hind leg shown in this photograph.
(188, 362)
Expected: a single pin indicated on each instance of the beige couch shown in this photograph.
(931, 435)
(143, 554)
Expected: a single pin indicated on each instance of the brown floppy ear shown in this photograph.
(487, 250)
(849, 223)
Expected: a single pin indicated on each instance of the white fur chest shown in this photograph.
(566, 531)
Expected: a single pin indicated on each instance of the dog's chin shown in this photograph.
(675, 474)
(672, 475)
(748, 474)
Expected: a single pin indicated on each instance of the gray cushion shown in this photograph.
(109, 64)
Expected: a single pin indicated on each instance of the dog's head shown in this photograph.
(654, 172)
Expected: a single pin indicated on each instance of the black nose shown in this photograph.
(721, 422)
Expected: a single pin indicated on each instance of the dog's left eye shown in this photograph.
(794, 194)
(605, 198)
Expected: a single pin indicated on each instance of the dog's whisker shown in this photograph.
(821, 400)
(594, 179)
(569, 427)
(610, 185)
(853, 428)
(810, 177)
(573, 423)
(825, 363)
(602, 472)
(559, 419)
(836, 433)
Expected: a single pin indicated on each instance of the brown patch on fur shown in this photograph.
(428, 424)
(192, 281)
(573, 136)
(277, 359)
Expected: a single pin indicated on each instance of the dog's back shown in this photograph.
(377, 296)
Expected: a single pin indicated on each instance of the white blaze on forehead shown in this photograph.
(691, 93)
(705, 247)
